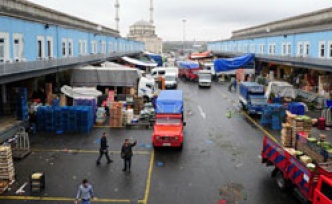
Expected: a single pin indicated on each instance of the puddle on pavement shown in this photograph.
(233, 193)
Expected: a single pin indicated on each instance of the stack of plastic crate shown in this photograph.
(72, 127)
(49, 125)
(278, 115)
(85, 119)
(58, 120)
(266, 117)
(22, 104)
(296, 108)
(65, 118)
(87, 102)
(41, 118)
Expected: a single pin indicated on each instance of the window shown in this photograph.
(70, 47)
(300, 49)
(50, 47)
(261, 49)
(63, 48)
(306, 49)
(330, 49)
(284, 49)
(80, 47)
(2, 49)
(326, 190)
(40, 47)
(84, 47)
(289, 48)
(272, 49)
(110, 47)
(94, 47)
(103, 47)
(245, 48)
(322, 49)
(239, 49)
(252, 48)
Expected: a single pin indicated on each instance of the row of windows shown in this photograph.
(45, 47)
(303, 49)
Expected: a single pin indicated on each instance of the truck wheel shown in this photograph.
(281, 181)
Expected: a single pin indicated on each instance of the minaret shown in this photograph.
(151, 11)
(117, 18)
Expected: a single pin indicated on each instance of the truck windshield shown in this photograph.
(168, 120)
(205, 76)
(258, 100)
(169, 78)
(326, 190)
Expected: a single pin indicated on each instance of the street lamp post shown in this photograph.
(184, 33)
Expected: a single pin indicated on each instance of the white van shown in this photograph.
(171, 81)
(147, 88)
(161, 71)
(157, 72)
(204, 78)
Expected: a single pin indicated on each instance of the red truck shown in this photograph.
(312, 186)
(168, 127)
(189, 70)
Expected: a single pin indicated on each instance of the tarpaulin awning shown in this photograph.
(189, 65)
(139, 63)
(80, 92)
(280, 89)
(226, 64)
(201, 55)
(90, 76)
(155, 57)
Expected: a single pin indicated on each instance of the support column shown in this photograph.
(3, 93)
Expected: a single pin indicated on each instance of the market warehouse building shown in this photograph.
(37, 44)
(300, 45)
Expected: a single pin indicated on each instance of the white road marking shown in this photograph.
(201, 112)
(20, 190)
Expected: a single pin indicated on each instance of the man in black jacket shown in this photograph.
(127, 153)
(103, 149)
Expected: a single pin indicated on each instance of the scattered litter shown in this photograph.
(115, 190)
(189, 184)
(202, 151)
(74, 177)
(208, 141)
(65, 150)
(232, 193)
(160, 164)
(259, 156)
(51, 163)
(181, 167)
(239, 165)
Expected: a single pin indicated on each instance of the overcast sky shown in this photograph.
(206, 19)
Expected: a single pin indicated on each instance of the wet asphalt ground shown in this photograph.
(219, 161)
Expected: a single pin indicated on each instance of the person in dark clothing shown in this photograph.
(103, 149)
(127, 153)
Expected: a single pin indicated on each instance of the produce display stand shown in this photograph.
(7, 172)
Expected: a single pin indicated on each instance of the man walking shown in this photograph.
(84, 193)
(127, 153)
(103, 149)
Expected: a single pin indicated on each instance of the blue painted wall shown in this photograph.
(313, 39)
(31, 30)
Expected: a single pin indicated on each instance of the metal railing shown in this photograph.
(23, 67)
